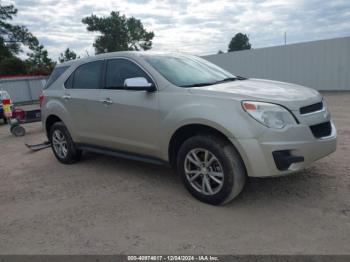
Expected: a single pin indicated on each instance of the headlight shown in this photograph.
(270, 115)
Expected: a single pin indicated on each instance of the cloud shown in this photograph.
(194, 26)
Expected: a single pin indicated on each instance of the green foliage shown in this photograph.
(67, 55)
(38, 60)
(118, 33)
(4, 51)
(11, 36)
(239, 42)
(7, 12)
(12, 66)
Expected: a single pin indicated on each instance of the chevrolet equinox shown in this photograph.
(213, 127)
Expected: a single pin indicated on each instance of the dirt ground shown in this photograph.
(105, 205)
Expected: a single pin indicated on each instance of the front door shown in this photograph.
(130, 119)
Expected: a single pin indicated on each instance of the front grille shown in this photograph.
(321, 130)
(311, 108)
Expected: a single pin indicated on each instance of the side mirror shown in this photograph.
(138, 84)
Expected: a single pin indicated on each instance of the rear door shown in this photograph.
(130, 119)
(81, 98)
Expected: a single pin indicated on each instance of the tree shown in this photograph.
(220, 52)
(67, 55)
(39, 61)
(11, 36)
(118, 33)
(239, 42)
(4, 51)
(12, 66)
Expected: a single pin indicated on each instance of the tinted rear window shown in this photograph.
(56, 73)
(88, 76)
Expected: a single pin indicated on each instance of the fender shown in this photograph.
(207, 114)
(55, 107)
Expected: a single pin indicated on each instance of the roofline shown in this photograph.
(113, 54)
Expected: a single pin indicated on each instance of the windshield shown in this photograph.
(188, 71)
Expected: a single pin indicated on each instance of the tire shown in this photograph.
(17, 130)
(59, 136)
(226, 166)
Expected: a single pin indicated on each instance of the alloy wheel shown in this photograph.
(59, 143)
(204, 171)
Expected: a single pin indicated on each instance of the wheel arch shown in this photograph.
(185, 132)
(50, 120)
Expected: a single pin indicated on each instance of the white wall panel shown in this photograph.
(23, 89)
(322, 65)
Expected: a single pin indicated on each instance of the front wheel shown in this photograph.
(62, 144)
(211, 169)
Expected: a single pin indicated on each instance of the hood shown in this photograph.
(290, 95)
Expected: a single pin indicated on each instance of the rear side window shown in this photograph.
(56, 73)
(69, 82)
(120, 69)
(87, 76)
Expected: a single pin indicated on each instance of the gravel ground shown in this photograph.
(105, 205)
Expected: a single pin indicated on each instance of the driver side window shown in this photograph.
(120, 69)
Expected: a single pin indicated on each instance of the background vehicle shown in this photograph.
(213, 127)
(3, 95)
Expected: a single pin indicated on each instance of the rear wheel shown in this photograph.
(211, 169)
(62, 144)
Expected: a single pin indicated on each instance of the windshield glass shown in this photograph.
(188, 71)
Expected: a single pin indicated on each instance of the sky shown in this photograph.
(198, 27)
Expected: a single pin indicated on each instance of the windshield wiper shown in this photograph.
(199, 84)
(229, 79)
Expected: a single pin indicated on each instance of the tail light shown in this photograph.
(41, 99)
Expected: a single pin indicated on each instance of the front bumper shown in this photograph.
(257, 153)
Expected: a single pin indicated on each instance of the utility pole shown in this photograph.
(285, 38)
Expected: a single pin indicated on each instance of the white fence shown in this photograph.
(23, 89)
(322, 65)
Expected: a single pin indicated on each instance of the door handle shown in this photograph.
(66, 97)
(107, 101)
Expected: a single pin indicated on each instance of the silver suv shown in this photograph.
(213, 127)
